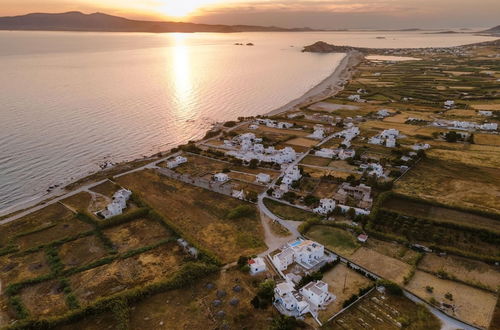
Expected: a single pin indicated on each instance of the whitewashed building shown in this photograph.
(221, 177)
(257, 265)
(326, 205)
(263, 178)
(317, 293)
(176, 162)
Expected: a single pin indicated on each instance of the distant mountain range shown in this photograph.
(77, 21)
(493, 30)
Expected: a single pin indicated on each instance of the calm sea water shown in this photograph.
(69, 101)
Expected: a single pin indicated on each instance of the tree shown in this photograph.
(254, 163)
(240, 212)
(252, 196)
(351, 213)
(429, 289)
(448, 296)
(451, 136)
(311, 200)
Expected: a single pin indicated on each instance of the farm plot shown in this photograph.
(17, 268)
(136, 234)
(487, 139)
(5, 313)
(79, 202)
(387, 267)
(385, 311)
(393, 250)
(302, 142)
(38, 220)
(453, 184)
(93, 322)
(338, 240)
(44, 299)
(127, 273)
(287, 212)
(82, 251)
(107, 188)
(467, 270)
(196, 210)
(325, 189)
(343, 282)
(441, 214)
(212, 303)
(315, 161)
(55, 231)
(467, 303)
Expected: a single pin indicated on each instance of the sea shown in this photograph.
(71, 101)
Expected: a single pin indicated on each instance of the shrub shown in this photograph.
(241, 211)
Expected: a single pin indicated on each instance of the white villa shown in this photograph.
(376, 169)
(251, 148)
(383, 113)
(263, 178)
(326, 205)
(420, 146)
(257, 265)
(485, 113)
(221, 177)
(449, 104)
(291, 174)
(305, 253)
(318, 134)
(118, 204)
(176, 162)
(387, 137)
(289, 301)
(317, 294)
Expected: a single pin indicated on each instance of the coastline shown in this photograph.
(326, 88)
(330, 86)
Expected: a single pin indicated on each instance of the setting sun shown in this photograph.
(176, 8)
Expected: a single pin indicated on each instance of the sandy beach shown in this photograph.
(328, 87)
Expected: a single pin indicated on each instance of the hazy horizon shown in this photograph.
(318, 14)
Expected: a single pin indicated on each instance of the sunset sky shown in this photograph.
(285, 13)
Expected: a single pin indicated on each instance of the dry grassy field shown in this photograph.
(302, 142)
(17, 268)
(338, 240)
(196, 210)
(193, 307)
(136, 234)
(107, 188)
(387, 267)
(315, 160)
(44, 218)
(393, 250)
(474, 155)
(487, 139)
(471, 305)
(123, 274)
(467, 270)
(453, 184)
(82, 251)
(440, 214)
(44, 299)
(343, 282)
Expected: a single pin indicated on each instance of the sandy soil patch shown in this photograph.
(127, 273)
(343, 282)
(387, 267)
(458, 73)
(399, 118)
(341, 165)
(472, 305)
(93, 322)
(15, 268)
(44, 299)
(135, 234)
(325, 189)
(303, 142)
(467, 270)
(82, 251)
